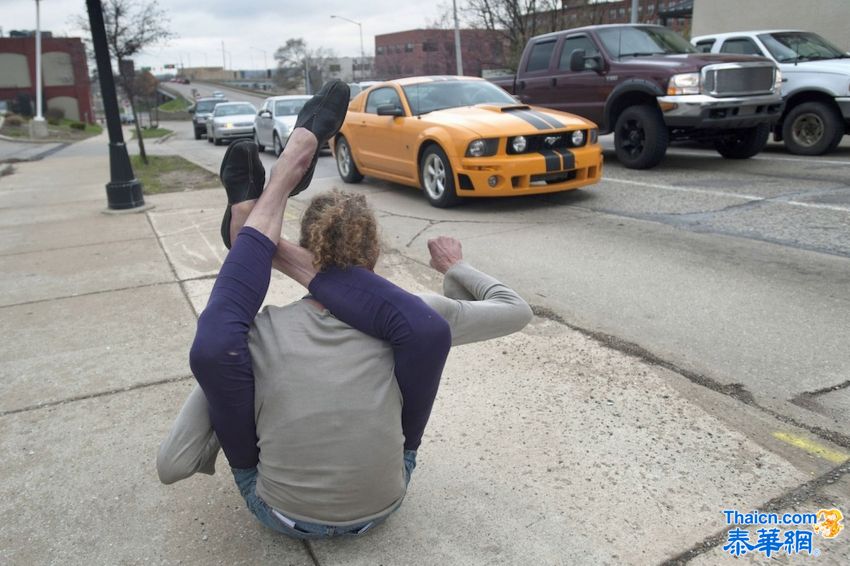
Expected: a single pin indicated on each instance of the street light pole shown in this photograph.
(123, 191)
(39, 128)
(458, 53)
(362, 52)
(634, 18)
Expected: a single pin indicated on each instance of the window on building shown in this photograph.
(541, 53)
(429, 46)
(651, 8)
(334, 68)
(408, 48)
(379, 50)
(741, 46)
(382, 97)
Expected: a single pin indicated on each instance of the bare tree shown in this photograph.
(296, 62)
(131, 26)
(519, 20)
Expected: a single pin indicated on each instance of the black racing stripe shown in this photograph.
(548, 119)
(531, 119)
(568, 158)
(553, 160)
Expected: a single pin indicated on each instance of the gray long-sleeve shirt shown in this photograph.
(327, 406)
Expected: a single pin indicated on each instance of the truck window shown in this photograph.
(573, 43)
(382, 97)
(705, 45)
(741, 46)
(541, 53)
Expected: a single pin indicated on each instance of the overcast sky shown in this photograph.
(201, 25)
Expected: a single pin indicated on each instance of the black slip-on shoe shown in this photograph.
(243, 176)
(323, 115)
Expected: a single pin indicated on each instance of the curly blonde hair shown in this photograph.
(341, 231)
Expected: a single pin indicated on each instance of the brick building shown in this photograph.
(675, 14)
(65, 74)
(432, 52)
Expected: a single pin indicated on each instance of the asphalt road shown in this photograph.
(734, 272)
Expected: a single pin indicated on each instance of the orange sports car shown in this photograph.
(459, 137)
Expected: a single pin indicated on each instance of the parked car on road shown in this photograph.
(231, 120)
(649, 86)
(815, 84)
(461, 137)
(201, 112)
(275, 120)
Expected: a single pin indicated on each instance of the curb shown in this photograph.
(26, 140)
(165, 138)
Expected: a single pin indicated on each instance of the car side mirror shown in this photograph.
(390, 110)
(265, 113)
(577, 60)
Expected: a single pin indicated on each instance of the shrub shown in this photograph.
(14, 121)
(77, 126)
(54, 116)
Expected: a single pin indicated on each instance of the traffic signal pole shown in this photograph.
(123, 191)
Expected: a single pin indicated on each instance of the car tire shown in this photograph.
(640, 137)
(744, 143)
(261, 148)
(197, 134)
(277, 147)
(437, 178)
(812, 128)
(345, 162)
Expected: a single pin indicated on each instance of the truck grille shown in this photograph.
(738, 79)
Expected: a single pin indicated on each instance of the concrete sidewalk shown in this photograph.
(544, 447)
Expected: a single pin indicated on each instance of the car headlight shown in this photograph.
(519, 144)
(777, 81)
(594, 135)
(577, 138)
(686, 83)
(482, 148)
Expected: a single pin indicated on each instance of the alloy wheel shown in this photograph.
(343, 159)
(633, 137)
(807, 129)
(435, 176)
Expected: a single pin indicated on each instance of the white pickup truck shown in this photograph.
(815, 83)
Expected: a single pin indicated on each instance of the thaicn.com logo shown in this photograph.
(774, 533)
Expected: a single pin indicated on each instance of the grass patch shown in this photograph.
(171, 174)
(152, 132)
(176, 105)
(65, 130)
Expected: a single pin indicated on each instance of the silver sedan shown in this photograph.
(231, 120)
(274, 122)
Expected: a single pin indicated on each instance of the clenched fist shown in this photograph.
(445, 252)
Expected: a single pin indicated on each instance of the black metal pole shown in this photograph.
(123, 191)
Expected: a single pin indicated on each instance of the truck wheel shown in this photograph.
(744, 143)
(812, 128)
(345, 162)
(640, 137)
(438, 179)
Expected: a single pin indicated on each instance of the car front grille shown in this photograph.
(738, 79)
(243, 125)
(540, 142)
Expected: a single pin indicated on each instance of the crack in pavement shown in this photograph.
(800, 494)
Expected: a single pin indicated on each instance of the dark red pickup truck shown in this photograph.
(649, 86)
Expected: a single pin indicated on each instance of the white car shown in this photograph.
(815, 83)
(231, 120)
(275, 120)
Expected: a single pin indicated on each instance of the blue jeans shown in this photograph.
(246, 481)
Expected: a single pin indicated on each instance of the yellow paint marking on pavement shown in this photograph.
(811, 447)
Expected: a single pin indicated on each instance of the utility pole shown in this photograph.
(362, 52)
(39, 127)
(458, 55)
(123, 191)
(634, 19)
(223, 57)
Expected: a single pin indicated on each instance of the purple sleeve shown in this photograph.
(420, 338)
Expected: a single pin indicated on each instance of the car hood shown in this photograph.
(832, 66)
(500, 120)
(689, 62)
(235, 118)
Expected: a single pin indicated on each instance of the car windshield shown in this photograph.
(207, 105)
(289, 107)
(437, 95)
(234, 109)
(641, 41)
(800, 46)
